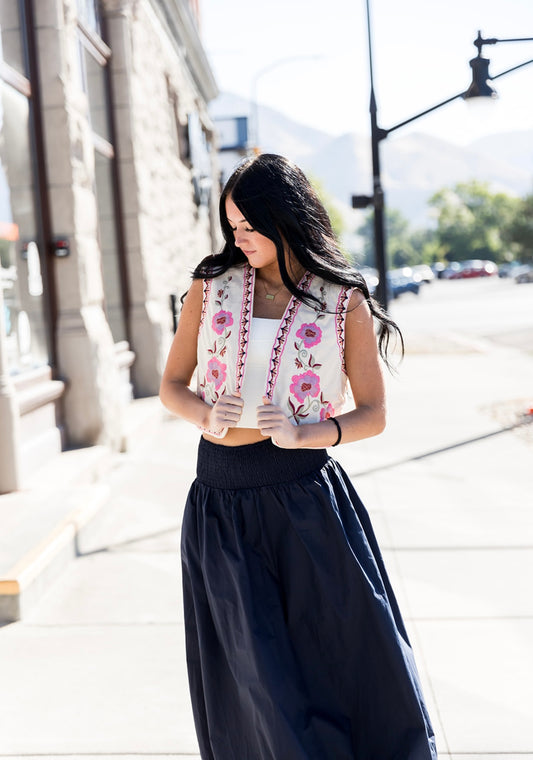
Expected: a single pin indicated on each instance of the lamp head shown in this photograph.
(480, 87)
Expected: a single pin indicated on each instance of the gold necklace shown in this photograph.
(270, 296)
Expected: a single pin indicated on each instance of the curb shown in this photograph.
(60, 502)
(24, 584)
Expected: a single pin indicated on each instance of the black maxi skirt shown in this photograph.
(296, 649)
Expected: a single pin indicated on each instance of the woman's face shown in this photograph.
(258, 249)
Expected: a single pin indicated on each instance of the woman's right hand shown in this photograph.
(226, 413)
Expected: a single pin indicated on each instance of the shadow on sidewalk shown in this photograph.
(129, 542)
(526, 419)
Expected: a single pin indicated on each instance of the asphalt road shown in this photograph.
(484, 309)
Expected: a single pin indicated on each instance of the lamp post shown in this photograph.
(479, 87)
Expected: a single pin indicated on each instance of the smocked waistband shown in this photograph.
(255, 464)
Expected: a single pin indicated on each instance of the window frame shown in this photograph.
(29, 87)
(100, 51)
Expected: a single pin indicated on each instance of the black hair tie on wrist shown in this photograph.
(339, 430)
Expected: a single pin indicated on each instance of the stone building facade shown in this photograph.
(108, 196)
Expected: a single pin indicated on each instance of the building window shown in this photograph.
(21, 249)
(94, 59)
(20, 255)
(11, 46)
(93, 66)
(108, 245)
(179, 130)
(199, 149)
(89, 16)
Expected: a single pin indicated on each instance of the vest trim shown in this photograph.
(244, 324)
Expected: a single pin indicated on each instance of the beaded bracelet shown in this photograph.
(339, 430)
(214, 433)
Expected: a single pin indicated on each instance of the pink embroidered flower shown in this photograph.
(216, 372)
(326, 413)
(221, 320)
(305, 385)
(311, 334)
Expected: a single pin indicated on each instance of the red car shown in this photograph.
(475, 268)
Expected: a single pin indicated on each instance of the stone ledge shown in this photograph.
(24, 584)
(41, 525)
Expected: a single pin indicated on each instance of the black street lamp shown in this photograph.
(479, 87)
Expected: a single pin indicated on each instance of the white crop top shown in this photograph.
(262, 335)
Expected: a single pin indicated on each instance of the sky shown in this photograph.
(316, 53)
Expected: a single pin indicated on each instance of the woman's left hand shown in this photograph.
(274, 423)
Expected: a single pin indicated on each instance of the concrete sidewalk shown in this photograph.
(97, 667)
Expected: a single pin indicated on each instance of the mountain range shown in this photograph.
(413, 166)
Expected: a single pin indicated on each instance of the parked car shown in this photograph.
(423, 272)
(509, 269)
(371, 277)
(408, 272)
(438, 268)
(475, 268)
(452, 269)
(399, 282)
(524, 274)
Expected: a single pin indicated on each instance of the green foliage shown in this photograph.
(337, 222)
(520, 233)
(426, 246)
(473, 222)
(404, 246)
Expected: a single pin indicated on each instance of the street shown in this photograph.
(483, 308)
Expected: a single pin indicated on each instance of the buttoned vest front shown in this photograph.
(306, 369)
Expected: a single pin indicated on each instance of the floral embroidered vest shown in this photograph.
(306, 371)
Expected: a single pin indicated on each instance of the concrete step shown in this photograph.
(41, 525)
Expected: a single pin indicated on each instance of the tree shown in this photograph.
(404, 247)
(337, 222)
(426, 246)
(473, 223)
(520, 233)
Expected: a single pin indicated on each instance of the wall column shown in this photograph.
(85, 346)
(149, 320)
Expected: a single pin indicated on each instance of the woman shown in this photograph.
(296, 649)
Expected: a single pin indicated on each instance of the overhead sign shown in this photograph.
(232, 133)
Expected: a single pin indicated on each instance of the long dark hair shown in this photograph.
(277, 200)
